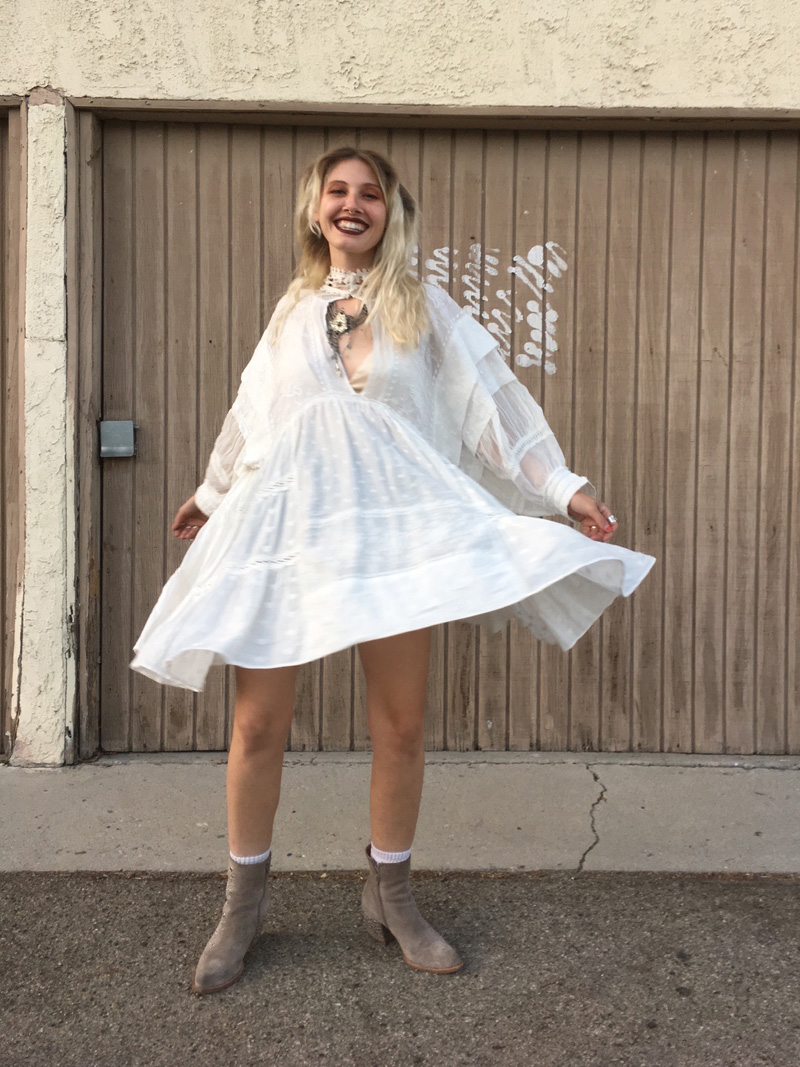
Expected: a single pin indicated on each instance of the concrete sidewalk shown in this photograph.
(481, 812)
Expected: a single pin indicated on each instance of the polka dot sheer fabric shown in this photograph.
(339, 516)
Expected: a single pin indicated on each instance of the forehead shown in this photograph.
(352, 172)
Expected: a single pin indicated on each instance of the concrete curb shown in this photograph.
(481, 811)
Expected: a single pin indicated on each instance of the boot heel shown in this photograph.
(378, 931)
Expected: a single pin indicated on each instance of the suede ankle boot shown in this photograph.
(222, 961)
(390, 914)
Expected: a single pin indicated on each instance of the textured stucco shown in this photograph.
(46, 678)
(586, 53)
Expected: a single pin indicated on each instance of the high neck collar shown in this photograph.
(345, 281)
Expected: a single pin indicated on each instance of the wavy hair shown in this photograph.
(391, 291)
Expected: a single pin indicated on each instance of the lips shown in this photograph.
(350, 226)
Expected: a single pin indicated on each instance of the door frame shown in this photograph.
(85, 116)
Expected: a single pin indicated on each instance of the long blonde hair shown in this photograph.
(391, 291)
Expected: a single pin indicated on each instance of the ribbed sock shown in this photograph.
(248, 860)
(388, 857)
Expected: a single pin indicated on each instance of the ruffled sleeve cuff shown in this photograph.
(207, 499)
(561, 486)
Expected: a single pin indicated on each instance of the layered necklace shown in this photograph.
(343, 284)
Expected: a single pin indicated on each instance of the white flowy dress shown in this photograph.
(339, 516)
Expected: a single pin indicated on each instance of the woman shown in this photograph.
(371, 480)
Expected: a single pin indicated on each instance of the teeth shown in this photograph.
(351, 227)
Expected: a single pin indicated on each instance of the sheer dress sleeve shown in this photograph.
(506, 430)
(220, 472)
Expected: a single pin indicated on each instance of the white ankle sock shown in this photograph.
(388, 857)
(248, 860)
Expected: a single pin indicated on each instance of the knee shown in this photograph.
(398, 733)
(257, 732)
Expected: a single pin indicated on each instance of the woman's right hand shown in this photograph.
(188, 520)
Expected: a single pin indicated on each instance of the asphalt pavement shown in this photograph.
(563, 969)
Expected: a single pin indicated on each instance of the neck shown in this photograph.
(343, 261)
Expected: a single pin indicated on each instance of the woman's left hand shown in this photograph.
(595, 517)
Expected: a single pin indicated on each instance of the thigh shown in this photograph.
(396, 670)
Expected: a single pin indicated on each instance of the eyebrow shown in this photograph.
(362, 185)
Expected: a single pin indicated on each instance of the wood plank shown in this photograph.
(375, 140)
(620, 423)
(435, 247)
(180, 329)
(744, 459)
(778, 373)
(246, 285)
(589, 385)
(213, 363)
(647, 535)
(713, 446)
(678, 565)
(117, 474)
(461, 727)
(277, 213)
(306, 729)
(555, 393)
(498, 196)
(149, 369)
(84, 228)
(523, 285)
(793, 518)
(8, 457)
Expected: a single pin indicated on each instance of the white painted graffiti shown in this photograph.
(500, 309)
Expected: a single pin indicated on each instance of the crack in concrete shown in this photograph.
(592, 810)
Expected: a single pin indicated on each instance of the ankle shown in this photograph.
(380, 856)
(248, 861)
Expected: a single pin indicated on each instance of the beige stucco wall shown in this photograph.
(587, 53)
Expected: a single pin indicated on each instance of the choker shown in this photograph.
(345, 281)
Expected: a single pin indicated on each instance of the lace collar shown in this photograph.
(344, 281)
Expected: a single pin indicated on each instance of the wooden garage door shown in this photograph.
(643, 286)
(10, 424)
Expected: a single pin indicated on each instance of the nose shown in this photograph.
(351, 203)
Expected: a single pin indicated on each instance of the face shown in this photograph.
(351, 214)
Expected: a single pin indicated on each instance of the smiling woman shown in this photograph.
(381, 471)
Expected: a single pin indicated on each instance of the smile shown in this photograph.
(354, 226)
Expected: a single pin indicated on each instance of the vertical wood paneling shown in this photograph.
(498, 238)
(149, 412)
(745, 420)
(674, 390)
(213, 360)
(182, 477)
(556, 394)
(434, 194)
(119, 562)
(678, 562)
(776, 443)
(793, 516)
(530, 197)
(618, 430)
(467, 222)
(7, 454)
(652, 377)
(713, 445)
(591, 265)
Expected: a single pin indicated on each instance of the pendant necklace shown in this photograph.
(338, 325)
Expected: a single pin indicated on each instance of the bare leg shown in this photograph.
(396, 670)
(262, 717)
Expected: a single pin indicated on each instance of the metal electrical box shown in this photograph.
(117, 439)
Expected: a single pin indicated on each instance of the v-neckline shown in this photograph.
(370, 386)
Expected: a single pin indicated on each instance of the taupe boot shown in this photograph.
(222, 961)
(390, 914)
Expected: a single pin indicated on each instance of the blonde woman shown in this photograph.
(381, 471)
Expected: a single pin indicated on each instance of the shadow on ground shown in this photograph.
(562, 971)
